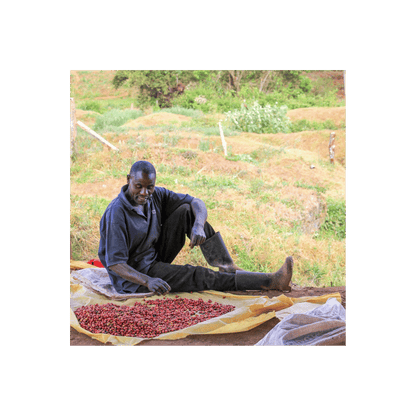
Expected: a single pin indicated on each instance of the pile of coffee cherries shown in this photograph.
(149, 318)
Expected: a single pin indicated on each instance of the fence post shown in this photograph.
(73, 125)
(332, 147)
(345, 84)
(73, 135)
(224, 145)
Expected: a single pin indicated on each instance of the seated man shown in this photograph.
(144, 228)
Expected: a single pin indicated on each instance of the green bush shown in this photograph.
(212, 91)
(208, 98)
(258, 119)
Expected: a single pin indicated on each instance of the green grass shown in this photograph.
(170, 140)
(217, 183)
(189, 112)
(306, 125)
(85, 143)
(241, 158)
(315, 272)
(204, 145)
(112, 120)
(208, 126)
(265, 153)
(256, 185)
(87, 102)
(215, 131)
(247, 261)
(319, 189)
(176, 170)
(334, 226)
(85, 176)
(85, 217)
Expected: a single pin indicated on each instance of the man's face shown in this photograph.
(141, 187)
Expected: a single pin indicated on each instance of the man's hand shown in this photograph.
(154, 284)
(197, 235)
(157, 285)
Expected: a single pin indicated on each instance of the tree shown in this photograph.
(154, 85)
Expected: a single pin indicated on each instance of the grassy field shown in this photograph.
(258, 196)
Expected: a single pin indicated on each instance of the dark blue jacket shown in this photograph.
(127, 236)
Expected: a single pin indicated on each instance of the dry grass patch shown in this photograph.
(109, 188)
(336, 114)
(86, 117)
(313, 141)
(99, 82)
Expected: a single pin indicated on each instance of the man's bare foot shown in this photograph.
(282, 278)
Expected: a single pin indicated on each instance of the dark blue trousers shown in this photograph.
(185, 278)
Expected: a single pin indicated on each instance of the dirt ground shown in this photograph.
(242, 338)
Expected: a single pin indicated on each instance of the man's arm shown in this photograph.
(201, 214)
(154, 284)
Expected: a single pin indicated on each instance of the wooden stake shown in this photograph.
(70, 248)
(95, 135)
(224, 145)
(332, 147)
(73, 125)
(345, 85)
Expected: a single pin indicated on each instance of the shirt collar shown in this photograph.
(128, 204)
(124, 199)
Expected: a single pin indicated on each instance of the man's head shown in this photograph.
(141, 182)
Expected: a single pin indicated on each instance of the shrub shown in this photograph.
(206, 98)
(258, 119)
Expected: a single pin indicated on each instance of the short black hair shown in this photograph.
(142, 166)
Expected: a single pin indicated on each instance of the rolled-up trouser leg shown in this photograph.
(189, 278)
(174, 231)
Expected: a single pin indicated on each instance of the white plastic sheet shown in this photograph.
(324, 325)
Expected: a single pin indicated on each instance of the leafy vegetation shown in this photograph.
(258, 119)
(223, 91)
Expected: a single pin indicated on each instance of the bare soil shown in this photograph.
(242, 338)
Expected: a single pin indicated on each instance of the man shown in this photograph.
(143, 230)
